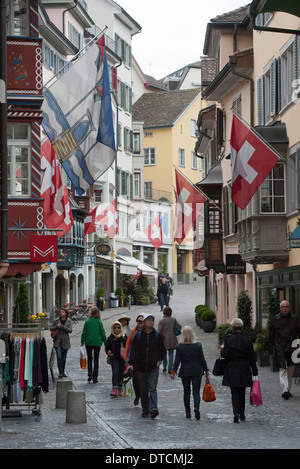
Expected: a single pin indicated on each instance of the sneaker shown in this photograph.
(114, 393)
(154, 413)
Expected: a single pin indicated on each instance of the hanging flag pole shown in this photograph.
(94, 39)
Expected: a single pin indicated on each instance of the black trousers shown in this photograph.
(238, 400)
(93, 352)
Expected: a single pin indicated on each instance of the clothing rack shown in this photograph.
(30, 340)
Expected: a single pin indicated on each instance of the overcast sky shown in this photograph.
(173, 31)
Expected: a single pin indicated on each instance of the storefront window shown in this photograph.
(17, 18)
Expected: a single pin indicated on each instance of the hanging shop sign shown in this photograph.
(103, 249)
(235, 264)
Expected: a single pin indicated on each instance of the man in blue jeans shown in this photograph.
(147, 353)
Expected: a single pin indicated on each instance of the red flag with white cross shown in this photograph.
(109, 219)
(154, 232)
(251, 162)
(188, 203)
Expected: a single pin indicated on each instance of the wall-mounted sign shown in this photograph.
(235, 264)
(103, 248)
(43, 248)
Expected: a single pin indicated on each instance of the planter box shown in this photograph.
(263, 359)
(198, 320)
(208, 326)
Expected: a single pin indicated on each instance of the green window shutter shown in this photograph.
(278, 85)
(130, 99)
(273, 107)
(131, 186)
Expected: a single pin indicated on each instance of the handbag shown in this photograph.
(54, 334)
(219, 367)
(255, 393)
(177, 330)
(82, 357)
(208, 392)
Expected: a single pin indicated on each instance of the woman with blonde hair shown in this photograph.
(190, 357)
(93, 337)
(114, 348)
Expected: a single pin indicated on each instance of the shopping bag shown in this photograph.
(208, 392)
(82, 357)
(177, 330)
(219, 367)
(255, 393)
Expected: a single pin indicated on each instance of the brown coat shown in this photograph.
(282, 333)
(166, 328)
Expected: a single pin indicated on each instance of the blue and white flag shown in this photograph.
(78, 119)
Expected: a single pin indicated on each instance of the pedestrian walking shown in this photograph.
(190, 357)
(169, 282)
(240, 361)
(146, 355)
(124, 320)
(166, 327)
(93, 337)
(126, 355)
(115, 346)
(62, 343)
(163, 294)
(284, 329)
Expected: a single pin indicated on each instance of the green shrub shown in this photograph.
(244, 310)
(223, 330)
(100, 293)
(119, 291)
(199, 309)
(208, 315)
(21, 309)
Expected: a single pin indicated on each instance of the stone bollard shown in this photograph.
(76, 407)
(62, 388)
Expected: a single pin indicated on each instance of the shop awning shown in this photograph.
(128, 263)
(19, 270)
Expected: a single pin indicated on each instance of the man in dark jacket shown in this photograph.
(147, 353)
(284, 329)
(163, 294)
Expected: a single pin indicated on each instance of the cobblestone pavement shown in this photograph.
(115, 423)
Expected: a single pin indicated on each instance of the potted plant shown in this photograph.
(208, 320)
(21, 309)
(100, 299)
(261, 346)
(199, 309)
(120, 295)
(223, 330)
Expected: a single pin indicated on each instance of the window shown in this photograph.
(136, 185)
(75, 37)
(181, 157)
(17, 18)
(193, 128)
(149, 156)
(194, 160)
(287, 75)
(18, 159)
(148, 189)
(136, 142)
(272, 191)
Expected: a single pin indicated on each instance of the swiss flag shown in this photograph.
(154, 232)
(107, 218)
(188, 203)
(251, 162)
(89, 222)
(57, 207)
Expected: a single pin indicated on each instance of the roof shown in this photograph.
(163, 109)
(238, 16)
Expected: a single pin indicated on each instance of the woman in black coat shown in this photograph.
(240, 360)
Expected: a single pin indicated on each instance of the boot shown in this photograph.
(114, 393)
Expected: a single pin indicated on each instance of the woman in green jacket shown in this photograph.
(93, 336)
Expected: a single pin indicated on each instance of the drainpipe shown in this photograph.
(3, 140)
(232, 63)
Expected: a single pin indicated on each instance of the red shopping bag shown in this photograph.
(255, 395)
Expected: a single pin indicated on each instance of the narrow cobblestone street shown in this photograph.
(115, 423)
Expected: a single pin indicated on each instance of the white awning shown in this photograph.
(127, 262)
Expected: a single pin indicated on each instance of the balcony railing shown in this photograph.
(156, 194)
